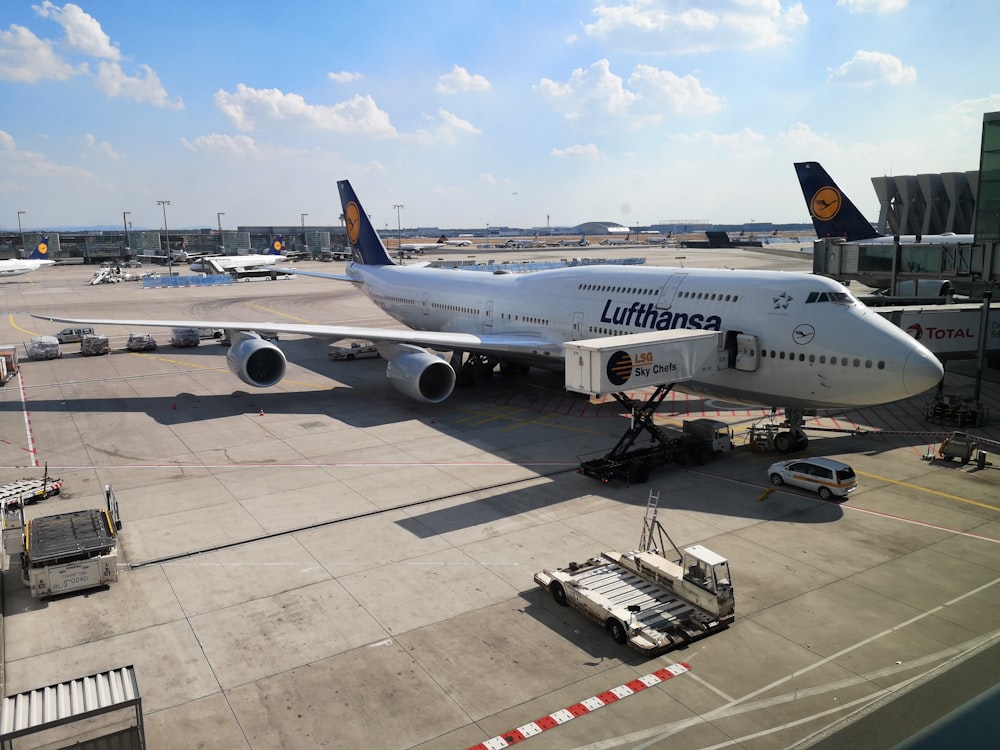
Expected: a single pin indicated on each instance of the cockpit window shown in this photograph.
(840, 298)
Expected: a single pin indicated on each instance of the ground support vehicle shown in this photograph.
(356, 350)
(140, 342)
(184, 337)
(964, 447)
(259, 274)
(27, 491)
(64, 552)
(43, 347)
(699, 442)
(8, 363)
(93, 345)
(644, 599)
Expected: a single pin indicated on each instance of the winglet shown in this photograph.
(832, 212)
(366, 246)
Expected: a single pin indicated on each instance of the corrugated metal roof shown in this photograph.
(54, 705)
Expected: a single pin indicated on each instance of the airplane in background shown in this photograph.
(19, 267)
(419, 247)
(226, 263)
(582, 242)
(792, 341)
(834, 215)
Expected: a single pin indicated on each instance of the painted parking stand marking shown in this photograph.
(584, 707)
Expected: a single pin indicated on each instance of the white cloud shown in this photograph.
(673, 26)
(24, 58)
(488, 179)
(113, 81)
(446, 129)
(873, 6)
(102, 148)
(248, 109)
(597, 97)
(663, 88)
(345, 76)
(235, 145)
(868, 68)
(459, 80)
(588, 149)
(83, 32)
(594, 93)
(6, 141)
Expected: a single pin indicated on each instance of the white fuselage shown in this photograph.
(816, 345)
(21, 267)
(237, 262)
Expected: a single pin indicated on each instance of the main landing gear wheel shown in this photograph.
(476, 367)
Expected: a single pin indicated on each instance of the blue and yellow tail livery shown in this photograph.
(832, 212)
(366, 246)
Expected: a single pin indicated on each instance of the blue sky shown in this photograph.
(471, 113)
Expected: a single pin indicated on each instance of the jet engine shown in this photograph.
(420, 375)
(255, 361)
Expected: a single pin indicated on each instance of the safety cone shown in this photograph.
(261, 413)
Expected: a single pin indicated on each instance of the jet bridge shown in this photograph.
(618, 364)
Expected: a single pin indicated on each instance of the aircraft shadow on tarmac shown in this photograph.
(567, 486)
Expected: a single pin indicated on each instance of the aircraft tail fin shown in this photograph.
(41, 251)
(833, 214)
(366, 246)
(277, 245)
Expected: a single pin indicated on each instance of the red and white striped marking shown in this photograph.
(513, 736)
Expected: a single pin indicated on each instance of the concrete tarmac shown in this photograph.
(328, 563)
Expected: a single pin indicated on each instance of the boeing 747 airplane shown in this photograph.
(792, 341)
(18, 267)
(834, 215)
(226, 263)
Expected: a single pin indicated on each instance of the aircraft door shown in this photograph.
(488, 316)
(426, 303)
(669, 290)
(577, 326)
(747, 352)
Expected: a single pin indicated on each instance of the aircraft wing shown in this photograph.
(487, 343)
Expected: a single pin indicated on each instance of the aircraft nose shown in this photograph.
(921, 371)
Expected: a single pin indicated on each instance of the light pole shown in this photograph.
(399, 227)
(170, 258)
(125, 215)
(222, 245)
(305, 245)
(19, 230)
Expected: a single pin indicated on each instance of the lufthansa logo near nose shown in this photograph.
(803, 333)
(619, 368)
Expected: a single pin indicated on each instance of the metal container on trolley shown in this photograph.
(619, 363)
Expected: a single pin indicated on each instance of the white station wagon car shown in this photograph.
(823, 475)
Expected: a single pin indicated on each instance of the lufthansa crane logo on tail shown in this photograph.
(42, 248)
(619, 367)
(825, 203)
(352, 217)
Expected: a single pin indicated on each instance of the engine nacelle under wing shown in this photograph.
(255, 361)
(419, 374)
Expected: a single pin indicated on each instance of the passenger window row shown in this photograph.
(821, 359)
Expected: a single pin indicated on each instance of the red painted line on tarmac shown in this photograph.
(584, 707)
